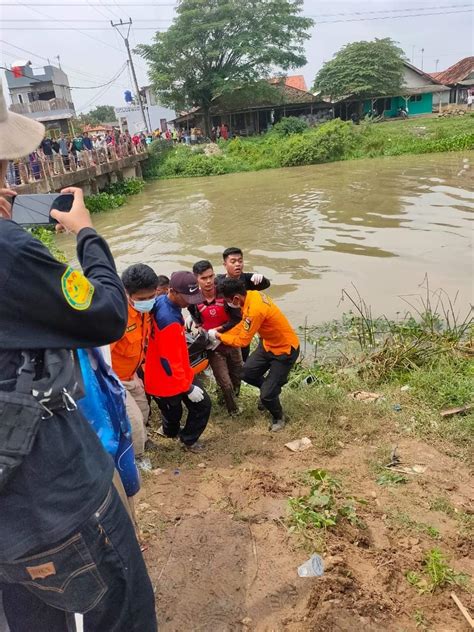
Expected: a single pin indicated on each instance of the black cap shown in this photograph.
(185, 284)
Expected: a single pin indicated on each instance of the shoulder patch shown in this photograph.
(77, 290)
(265, 298)
(131, 328)
(247, 323)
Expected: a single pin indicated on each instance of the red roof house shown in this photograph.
(460, 78)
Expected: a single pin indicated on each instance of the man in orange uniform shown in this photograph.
(269, 365)
(128, 354)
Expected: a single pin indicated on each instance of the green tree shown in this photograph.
(216, 46)
(102, 114)
(363, 69)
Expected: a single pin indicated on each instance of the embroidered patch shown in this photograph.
(265, 298)
(131, 328)
(42, 571)
(77, 290)
(247, 323)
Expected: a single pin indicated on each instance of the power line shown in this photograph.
(65, 85)
(75, 21)
(320, 15)
(318, 22)
(67, 28)
(349, 13)
(389, 17)
(35, 55)
(72, 29)
(93, 4)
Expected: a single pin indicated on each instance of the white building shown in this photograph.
(130, 117)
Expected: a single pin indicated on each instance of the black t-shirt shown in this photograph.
(47, 146)
(246, 277)
(67, 474)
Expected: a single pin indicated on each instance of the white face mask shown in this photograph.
(144, 306)
(232, 305)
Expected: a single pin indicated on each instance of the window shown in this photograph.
(387, 104)
(20, 99)
(415, 97)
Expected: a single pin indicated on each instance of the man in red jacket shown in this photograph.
(168, 372)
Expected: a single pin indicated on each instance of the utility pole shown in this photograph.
(422, 57)
(436, 64)
(132, 67)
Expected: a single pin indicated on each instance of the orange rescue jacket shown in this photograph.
(128, 353)
(261, 316)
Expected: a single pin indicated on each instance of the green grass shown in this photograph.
(435, 574)
(391, 479)
(465, 519)
(335, 140)
(403, 520)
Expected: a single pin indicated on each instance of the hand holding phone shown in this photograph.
(78, 217)
(5, 205)
(34, 209)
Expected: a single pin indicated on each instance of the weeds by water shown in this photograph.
(296, 145)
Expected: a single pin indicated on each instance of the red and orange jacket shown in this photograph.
(128, 353)
(168, 371)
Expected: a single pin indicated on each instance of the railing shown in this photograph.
(42, 106)
(40, 167)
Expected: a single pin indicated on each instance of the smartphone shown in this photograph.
(34, 209)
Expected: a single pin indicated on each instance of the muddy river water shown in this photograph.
(379, 224)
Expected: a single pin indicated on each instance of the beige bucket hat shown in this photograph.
(19, 135)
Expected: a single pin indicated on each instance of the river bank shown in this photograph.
(333, 141)
(229, 527)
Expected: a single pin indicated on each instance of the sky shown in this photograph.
(92, 53)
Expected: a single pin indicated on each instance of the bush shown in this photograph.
(328, 142)
(47, 236)
(104, 202)
(158, 150)
(288, 126)
(130, 186)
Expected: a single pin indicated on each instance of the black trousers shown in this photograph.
(98, 571)
(172, 410)
(270, 373)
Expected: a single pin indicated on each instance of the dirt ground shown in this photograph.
(222, 558)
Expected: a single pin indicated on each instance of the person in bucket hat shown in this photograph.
(67, 544)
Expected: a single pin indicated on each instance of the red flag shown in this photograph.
(17, 72)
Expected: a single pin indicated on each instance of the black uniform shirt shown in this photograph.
(246, 277)
(46, 304)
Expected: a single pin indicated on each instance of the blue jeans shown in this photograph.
(97, 571)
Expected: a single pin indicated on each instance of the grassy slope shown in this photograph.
(332, 141)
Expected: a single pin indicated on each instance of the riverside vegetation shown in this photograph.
(291, 143)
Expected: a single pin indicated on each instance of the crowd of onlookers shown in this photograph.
(69, 152)
(73, 152)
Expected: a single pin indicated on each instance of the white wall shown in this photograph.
(135, 119)
(412, 79)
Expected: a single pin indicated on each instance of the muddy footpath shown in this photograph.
(223, 558)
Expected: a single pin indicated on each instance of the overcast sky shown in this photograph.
(93, 57)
